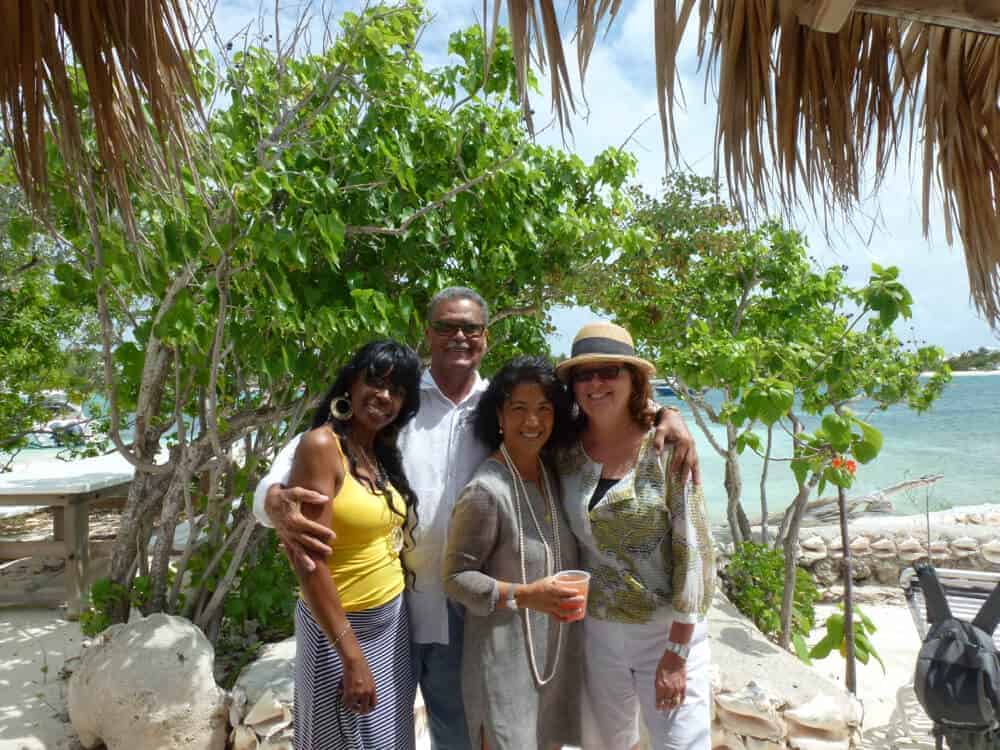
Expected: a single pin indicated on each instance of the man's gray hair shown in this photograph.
(459, 292)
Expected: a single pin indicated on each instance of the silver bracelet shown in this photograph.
(340, 635)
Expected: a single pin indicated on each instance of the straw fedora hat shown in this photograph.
(602, 341)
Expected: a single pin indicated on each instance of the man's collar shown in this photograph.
(427, 382)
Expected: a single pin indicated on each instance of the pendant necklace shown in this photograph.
(551, 560)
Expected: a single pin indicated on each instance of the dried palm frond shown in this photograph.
(802, 111)
(131, 57)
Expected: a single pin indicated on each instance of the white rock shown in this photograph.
(752, 743)
(818, 743)
(884, 548)
(265, 709)
(825, 715)
(750, 712)
(835, 548)
(243, 738)
(991, 551)
(237, 707)
(815, 543)
(812, 550)
(277, 744)
(149, 684)
(861, 546)
(940, 548)
(273, 670)
(723, 739)
(964, 546)
(910, 549)
(271, 727)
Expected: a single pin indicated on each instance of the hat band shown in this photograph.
(601, 345)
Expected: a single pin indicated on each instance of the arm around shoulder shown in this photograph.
(277, 474)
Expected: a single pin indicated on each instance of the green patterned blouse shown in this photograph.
(646, 544)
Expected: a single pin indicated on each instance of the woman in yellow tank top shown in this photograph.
(354, 685)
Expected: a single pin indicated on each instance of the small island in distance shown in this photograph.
(982, 358)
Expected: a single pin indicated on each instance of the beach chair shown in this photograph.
(965, 590)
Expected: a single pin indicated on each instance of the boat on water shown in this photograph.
(67, 423)
(663, 389)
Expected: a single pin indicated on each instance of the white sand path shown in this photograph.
(893, 718)
(34, 644)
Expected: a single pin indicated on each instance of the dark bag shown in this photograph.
(957, 680)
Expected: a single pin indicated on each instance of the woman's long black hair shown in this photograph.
(399, 365)
(520, 370)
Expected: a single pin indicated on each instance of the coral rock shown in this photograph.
(861, 546)
(991, 551)
(171, 700)
(911, 549)
(884, 549)
(243, 738)
(812, 550)
(964, 546)
(750, 712)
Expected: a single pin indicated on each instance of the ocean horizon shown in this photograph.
(958, 437)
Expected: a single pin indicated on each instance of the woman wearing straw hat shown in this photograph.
(644, 537)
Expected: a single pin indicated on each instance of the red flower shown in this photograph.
(838, 462)
(851, 467)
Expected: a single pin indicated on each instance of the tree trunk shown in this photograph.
(739, 524)
(851, 676)
(145, 498)
(763, 486)
(790, 541)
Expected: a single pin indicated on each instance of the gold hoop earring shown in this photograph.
(340, 408)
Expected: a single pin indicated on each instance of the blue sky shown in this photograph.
(620, 92)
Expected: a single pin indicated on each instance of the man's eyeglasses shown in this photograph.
(449, 329)
(605, 372)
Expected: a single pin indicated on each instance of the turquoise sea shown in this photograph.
(958, 437)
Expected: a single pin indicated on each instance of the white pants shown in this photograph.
(620, 672)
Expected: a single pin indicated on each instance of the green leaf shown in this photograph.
(868, 448)
(838, 431)
(800, 468)
(748, 439)
(801, 648)
(331, 229)
(824, 646)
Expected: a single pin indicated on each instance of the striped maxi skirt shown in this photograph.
(321, 720)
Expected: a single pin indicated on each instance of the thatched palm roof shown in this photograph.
(810, 90)
(130, 54)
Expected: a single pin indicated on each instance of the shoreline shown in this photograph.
(966, 373)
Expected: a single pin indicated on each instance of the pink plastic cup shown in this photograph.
(579, 580)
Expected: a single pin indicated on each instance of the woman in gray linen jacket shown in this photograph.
(522, 665)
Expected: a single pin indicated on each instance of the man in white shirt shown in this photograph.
(440, 453)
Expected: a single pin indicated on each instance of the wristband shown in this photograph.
(681, 649)
(511, 602)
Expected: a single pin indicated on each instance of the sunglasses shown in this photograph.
(604, 372)
(449, 329)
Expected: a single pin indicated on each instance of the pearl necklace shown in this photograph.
(521, 494)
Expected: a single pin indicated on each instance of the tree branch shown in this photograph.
(399, 231)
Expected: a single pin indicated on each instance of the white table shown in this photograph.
(70, 489)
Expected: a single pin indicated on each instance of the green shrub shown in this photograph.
(754, 581)
(264, 599)
(96, 618)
